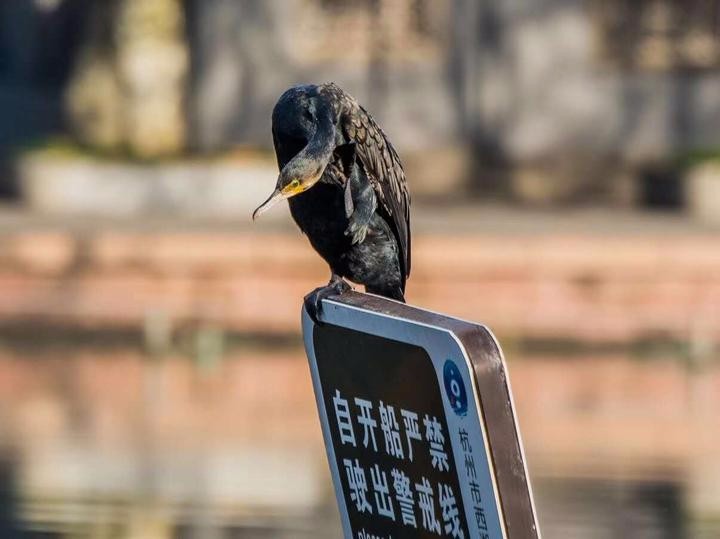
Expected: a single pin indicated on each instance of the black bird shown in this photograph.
(346, 189)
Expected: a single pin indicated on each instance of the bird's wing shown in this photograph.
(382, 165)
(383, 168)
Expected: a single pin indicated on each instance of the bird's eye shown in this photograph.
(295, 184)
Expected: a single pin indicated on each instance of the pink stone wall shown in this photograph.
(578, 287)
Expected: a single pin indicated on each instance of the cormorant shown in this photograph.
(346, 189)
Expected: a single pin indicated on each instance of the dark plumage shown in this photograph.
(346, 187)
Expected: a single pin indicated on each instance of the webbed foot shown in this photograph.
(313, 301)
(357, 229)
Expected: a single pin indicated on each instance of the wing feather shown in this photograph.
(386, 172)
(382, 166)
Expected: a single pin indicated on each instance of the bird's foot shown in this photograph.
(313, 301)
(357, 229)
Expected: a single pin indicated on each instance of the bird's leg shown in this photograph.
(360, 204)
(313, 301)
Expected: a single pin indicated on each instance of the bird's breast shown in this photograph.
(320, 214)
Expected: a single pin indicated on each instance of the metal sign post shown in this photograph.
(419, 424)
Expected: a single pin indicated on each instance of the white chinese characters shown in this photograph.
(404, 497)
(412, 429)
(434, 435)
(391, 431)
(367, 419)
(450, 512)
(358, 485)
(342, 413)
(381, 487)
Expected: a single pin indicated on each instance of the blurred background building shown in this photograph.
(564, 162)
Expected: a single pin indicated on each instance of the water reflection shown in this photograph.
(104, 441)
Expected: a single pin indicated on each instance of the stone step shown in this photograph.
(550, 286)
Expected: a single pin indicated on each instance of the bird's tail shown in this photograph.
(395, 293)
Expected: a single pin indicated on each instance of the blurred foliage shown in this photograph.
(697, 157)
(60, 148)
(128, 87)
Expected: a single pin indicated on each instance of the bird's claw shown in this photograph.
(313, 301)
(357, 230)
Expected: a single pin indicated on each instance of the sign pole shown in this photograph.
(418, 422)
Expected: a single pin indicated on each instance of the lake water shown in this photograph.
(218, 439)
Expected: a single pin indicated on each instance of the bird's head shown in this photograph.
(296, 177)
(310, 119)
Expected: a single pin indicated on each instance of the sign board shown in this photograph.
(418, 422)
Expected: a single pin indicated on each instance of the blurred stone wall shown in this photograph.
(390, 54)
(532, 81)
(38, 43)
(555, 89)
(128, 88)
(565, 96)
(555, 77)
(573, 99)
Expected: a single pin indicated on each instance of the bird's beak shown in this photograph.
(273, 199)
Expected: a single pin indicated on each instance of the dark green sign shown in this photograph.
(408, 423)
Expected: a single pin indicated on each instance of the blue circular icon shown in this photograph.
(455, 388)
